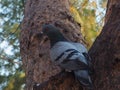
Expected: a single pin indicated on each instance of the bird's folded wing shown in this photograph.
(74, 65)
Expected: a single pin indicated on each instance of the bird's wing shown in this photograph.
(75, 64)
(81, 48)
(71, 59)
(68, 56)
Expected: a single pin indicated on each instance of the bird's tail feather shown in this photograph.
(86, 82)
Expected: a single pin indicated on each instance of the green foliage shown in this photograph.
(11, 14)
(15, 81)
(86, 13)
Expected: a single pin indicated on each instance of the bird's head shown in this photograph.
(53, 33)
(50, 30)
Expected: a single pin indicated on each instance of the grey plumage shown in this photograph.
(69, 55)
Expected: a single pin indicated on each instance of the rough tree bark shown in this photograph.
(105, 51)
(35, 51)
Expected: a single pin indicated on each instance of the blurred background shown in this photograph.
(88, 13)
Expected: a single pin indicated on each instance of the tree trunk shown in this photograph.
(35, 49)
(105, 51)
